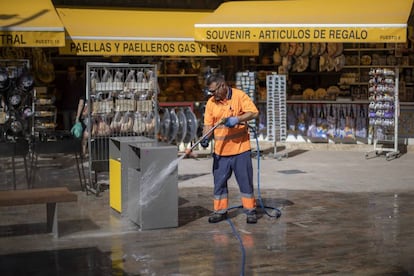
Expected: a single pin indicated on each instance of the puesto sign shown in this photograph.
(32, 39)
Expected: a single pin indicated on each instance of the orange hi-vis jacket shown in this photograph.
(229, 141)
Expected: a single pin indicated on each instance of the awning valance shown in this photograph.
(131, 32)
(30, 23)
(306, 21)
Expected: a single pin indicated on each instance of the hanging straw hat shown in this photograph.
(340, 62)
(314, 63)
(322, 48)
(331, 49)
(323, 62)
(330, 64)
(45, 72)
(333, 90)
(339, 49)
(302, 63)
(299, 49)
(315, 49)
(292, 48)
(306, 49)
(284, 49)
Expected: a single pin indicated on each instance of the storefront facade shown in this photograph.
(327, 56)
(244, 35)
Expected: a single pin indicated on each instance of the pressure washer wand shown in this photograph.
(191, 148)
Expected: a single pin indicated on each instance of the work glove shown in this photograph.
(231, 121)
(204, 143)
(77, 130)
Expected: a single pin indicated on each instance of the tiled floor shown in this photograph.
(341, 215)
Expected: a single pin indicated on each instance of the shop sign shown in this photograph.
(157, 48)
(32, 39)
(311, 34)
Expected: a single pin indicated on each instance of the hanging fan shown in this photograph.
(192, 125)
(174, 125)
(165, 125)
(182, 129)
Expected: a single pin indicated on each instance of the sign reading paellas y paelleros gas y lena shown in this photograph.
(158, 48)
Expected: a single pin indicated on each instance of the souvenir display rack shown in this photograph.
(122, 102)
(15, 103)
(276, 110)
(45, 112)
(246, 81)
(15, 116)
(384, 111)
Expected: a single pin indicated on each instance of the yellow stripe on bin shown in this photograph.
(115, 189)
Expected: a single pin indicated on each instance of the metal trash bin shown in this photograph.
(153, 185)
(118, 170)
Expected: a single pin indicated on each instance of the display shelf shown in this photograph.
(177, 75)
(16, 98)
(182, 78)
(177, 104)
(353, 83)
(384, 111)
(313, 73)
(361, 59)
(44, 112)
(276, 111)
(260, 65)
(367, 49)
(247, 82)
(325, 102)
(327, 122)
(371, 66)
(132, 111)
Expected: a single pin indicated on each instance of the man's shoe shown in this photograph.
(251, 217)
(217, 217)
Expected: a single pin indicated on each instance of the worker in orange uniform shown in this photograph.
(232, 151)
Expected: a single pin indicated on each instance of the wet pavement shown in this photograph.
(341, 215)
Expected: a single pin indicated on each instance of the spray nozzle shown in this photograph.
(189, 150)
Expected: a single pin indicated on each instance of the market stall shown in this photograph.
(350, 21)
(177, 62)
(130, 32)
(325, 54)
(26, 27)
(148, 34)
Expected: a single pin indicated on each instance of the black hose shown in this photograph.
(262, 206)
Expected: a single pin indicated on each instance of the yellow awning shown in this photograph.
(307, 21)
(30, 23)
(140, 33)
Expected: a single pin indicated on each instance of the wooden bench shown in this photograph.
(50, 196)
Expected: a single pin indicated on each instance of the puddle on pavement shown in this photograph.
(291, 171)
(81, 261)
